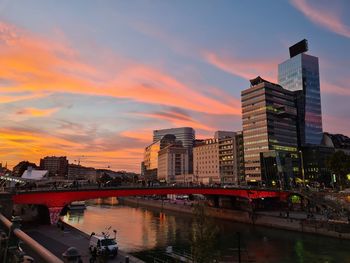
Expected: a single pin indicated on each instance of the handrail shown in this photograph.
(41, 251)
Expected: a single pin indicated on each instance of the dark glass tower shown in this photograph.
(300, 73)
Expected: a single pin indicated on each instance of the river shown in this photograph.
(146, 233)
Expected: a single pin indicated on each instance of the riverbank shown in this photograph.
(316, 226)
(58, 240)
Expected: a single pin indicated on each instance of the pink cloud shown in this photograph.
(245, 68)
(323, 17)
(331, 88)
(335, 124)
(60, 69)
(177, 119)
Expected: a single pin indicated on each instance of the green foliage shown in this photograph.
(339, 164)
(204, 236)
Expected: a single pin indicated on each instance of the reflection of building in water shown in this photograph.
(104, 201)
(74, 216)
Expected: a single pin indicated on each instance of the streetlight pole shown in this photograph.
(239, 246)
(302, 167)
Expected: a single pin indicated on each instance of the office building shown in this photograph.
(150, 159)
(57, 166)
(228, 156)
(315, 166)
(224, 134)
(269, 125)
(240, 157)
(206, 167)
(172, 162)
(339, 142)
(300, 73)
(184, 134)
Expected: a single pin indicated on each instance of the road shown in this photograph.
(58, 241)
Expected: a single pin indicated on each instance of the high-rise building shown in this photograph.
(300, 73)
(184, 134)
(269, 125)
(57, 166)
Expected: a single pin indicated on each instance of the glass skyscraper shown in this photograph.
(300, 73)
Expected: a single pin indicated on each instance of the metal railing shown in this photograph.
(38, 249)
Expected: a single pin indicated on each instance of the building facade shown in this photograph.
(206, 166)
(315, 163)
(240, 158)
(300, 73)
(339, 142)
(228, 160)
(150, 159)
(269, 124)
(184, 134)
(172, 162)
(79, 172)
(57, 166)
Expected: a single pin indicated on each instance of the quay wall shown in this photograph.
(300, 225)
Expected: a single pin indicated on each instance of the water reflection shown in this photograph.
(148, 232)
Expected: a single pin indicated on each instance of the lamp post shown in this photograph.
(302, 167)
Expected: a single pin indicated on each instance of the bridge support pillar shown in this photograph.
(54, 214)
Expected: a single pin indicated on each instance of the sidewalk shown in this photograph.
(57, 241)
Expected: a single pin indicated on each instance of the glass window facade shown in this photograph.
(269, 125)
(301, 74)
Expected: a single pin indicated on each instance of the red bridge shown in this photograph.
(56, 200)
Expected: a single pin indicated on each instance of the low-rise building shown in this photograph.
(79, 172)
(339, 142)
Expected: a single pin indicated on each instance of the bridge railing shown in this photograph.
(11, 244)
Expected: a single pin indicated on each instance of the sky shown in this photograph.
(91, 80)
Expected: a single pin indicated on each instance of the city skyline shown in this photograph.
(96, 83)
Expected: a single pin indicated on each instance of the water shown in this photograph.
(147, 232)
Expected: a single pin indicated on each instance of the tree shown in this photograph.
(339, 164)
(19, 169)
(203, 237)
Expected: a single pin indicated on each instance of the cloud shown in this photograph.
(176, 117)
(61, 69)
(335, 124)
(244, 68)
(323, 17)
(25, 143)
(33, 112)
(337, 89)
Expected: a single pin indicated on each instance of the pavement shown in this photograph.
(58, 241)
(293, 215)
